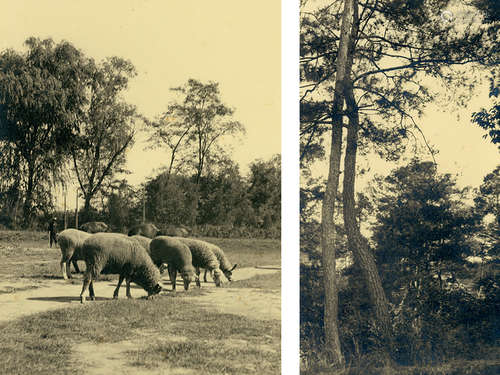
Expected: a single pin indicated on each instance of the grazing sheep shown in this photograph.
(203, 257)
(176, 231)
(144, 241)
(145, 229)
(177, 255)
(116, 253)
(71, 241)
(225, 265)
(94, 227)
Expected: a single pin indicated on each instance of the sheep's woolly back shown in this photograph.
(145, 229)
(72, 240)
(225, 264)
(144, 241)
(120, 254)
(169, 250)
(94, 227)
(203, 256)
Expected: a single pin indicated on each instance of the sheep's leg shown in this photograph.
(91, 291)
(75, 264)
(197, 280)
(63, 268)
(120, 280)
(86, 282)
(68, 268)
(172, 273)
(127, 280)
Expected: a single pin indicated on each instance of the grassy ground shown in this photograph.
(42, 342)
(265, 282)
(178, 333)
(456, 367)
(27, 254)
(249, 252)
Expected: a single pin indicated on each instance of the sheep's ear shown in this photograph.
(233, 267)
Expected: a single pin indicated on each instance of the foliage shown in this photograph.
(489, 119)
(122, 206)
(42, 91)
(193, 128)
(264, 192)
(223, 203)
(423, 235)
(172, 203)
(106, 129)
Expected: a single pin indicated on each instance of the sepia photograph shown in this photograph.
(399, 187)
(140, 145)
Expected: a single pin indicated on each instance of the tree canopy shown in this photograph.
(42, 93)
(106, 128)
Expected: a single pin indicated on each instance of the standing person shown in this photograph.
(52, 231)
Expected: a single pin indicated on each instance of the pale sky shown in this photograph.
(235, 43)
(462, 149)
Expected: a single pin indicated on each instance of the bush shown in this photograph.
(230, 231)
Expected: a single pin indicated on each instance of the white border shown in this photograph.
(290, 187)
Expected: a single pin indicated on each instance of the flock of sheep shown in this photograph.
(139, 257)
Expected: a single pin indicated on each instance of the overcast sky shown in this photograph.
(235, 43)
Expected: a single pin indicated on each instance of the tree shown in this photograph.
(423, 228)
(423, 235)
(42, 92)
(371, 60)
(106, 129)
(265, 191)
(122, 204)
(193, 128)
(172, 203)
(223, 196)
(489, 120)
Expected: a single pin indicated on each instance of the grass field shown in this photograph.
(169, 333)
(27, 254)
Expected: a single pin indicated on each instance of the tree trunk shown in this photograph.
(359, 246)
(28, 199)
(343, 65)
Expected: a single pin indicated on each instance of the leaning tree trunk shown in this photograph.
(359, 246)
(343, 62)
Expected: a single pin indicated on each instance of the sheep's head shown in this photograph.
(187, 276)
(162, 267)
(216, 275)
(229, 273)
(155, 290)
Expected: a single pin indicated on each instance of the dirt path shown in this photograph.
(25, 297)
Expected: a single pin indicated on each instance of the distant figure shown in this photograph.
(94, 227)
(52, 231)
(145, 229)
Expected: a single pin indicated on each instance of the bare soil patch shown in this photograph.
(28, 296)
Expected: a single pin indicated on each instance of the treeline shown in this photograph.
(223, 204)
(437, 249)
(63, 118)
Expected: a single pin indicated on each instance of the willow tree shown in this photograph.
(42, 92)
(369, 66)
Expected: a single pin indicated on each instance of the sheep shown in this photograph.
(203, 257)
(176, 231)
(144, 241)
(70, 241)
(94, 227)
(145, 229)
(225, 265)
(177, 255)
(116, 253)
